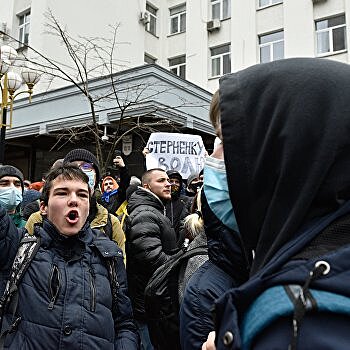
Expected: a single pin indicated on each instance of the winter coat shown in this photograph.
(192, 265)
(150, 240)
(225, 269)
(176, 210)
(18, 219)
(65, 299)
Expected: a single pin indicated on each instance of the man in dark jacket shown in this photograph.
(150, 240)
(65, 297)
(179, 205)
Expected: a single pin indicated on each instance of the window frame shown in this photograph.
(24, 28)
(221, 9)
(330, 36)
(152, 15)
(271, 3)
(180, 16)
(271, 45)
(221, 58)
(177, 67)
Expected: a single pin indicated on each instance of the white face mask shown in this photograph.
(10, 197)
(92, 178)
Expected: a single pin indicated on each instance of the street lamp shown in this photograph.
(10, 82)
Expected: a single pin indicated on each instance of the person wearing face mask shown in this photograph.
(178, 207)
(227, 266)
(11, 193)
(194, 183)
(285, 131)
(98, 217)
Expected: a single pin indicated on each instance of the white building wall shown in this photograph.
(299, 29)
(243, 34)
(90, 18)
(197, 42)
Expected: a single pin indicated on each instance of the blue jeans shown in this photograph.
(144, 335)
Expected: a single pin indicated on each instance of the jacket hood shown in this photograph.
(285, 127)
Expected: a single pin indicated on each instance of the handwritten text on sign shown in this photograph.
(172, 151)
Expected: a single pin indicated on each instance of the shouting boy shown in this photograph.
(73, 294)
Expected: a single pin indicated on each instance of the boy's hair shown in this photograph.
(214, 114)
(146, 177)
(66, 172)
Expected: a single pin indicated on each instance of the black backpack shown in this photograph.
(162, 300)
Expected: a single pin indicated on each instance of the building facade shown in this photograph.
(196, 40)
(199, 40)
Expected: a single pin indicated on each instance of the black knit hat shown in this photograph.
(9, 170)
(86, 156)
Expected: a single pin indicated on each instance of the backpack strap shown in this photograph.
(293, 301)
(27, 250)
(109, 252)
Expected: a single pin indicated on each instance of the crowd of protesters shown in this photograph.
(271, 207)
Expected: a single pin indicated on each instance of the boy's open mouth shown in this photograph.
(72, 217)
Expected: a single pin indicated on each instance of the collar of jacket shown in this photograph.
(155, 196)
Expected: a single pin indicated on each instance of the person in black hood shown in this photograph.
(178, 207)
(285, 132)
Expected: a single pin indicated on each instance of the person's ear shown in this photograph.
(43, 208)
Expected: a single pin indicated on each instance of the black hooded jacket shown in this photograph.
(286, 137)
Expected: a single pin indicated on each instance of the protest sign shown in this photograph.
(172, 151)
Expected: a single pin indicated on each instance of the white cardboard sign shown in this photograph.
(172, 151)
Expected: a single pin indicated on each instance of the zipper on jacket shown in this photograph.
(54, 285)
(92, 289)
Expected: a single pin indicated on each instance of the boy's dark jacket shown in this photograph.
(73, 268)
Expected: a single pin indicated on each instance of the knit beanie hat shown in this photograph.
(191, 177)
(86, 156)
(174, 174)
(9, 170)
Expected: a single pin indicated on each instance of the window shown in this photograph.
(178, 19)
(265, 3)
(220, 60)
(152, 24)
(271, 47)
(177, 65)
(331, 35)
(24, 23)
(220, 9)
(148, 59)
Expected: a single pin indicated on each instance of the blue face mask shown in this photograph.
(216, 192)
(10, 197)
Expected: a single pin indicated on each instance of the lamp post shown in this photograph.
(10, 82)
